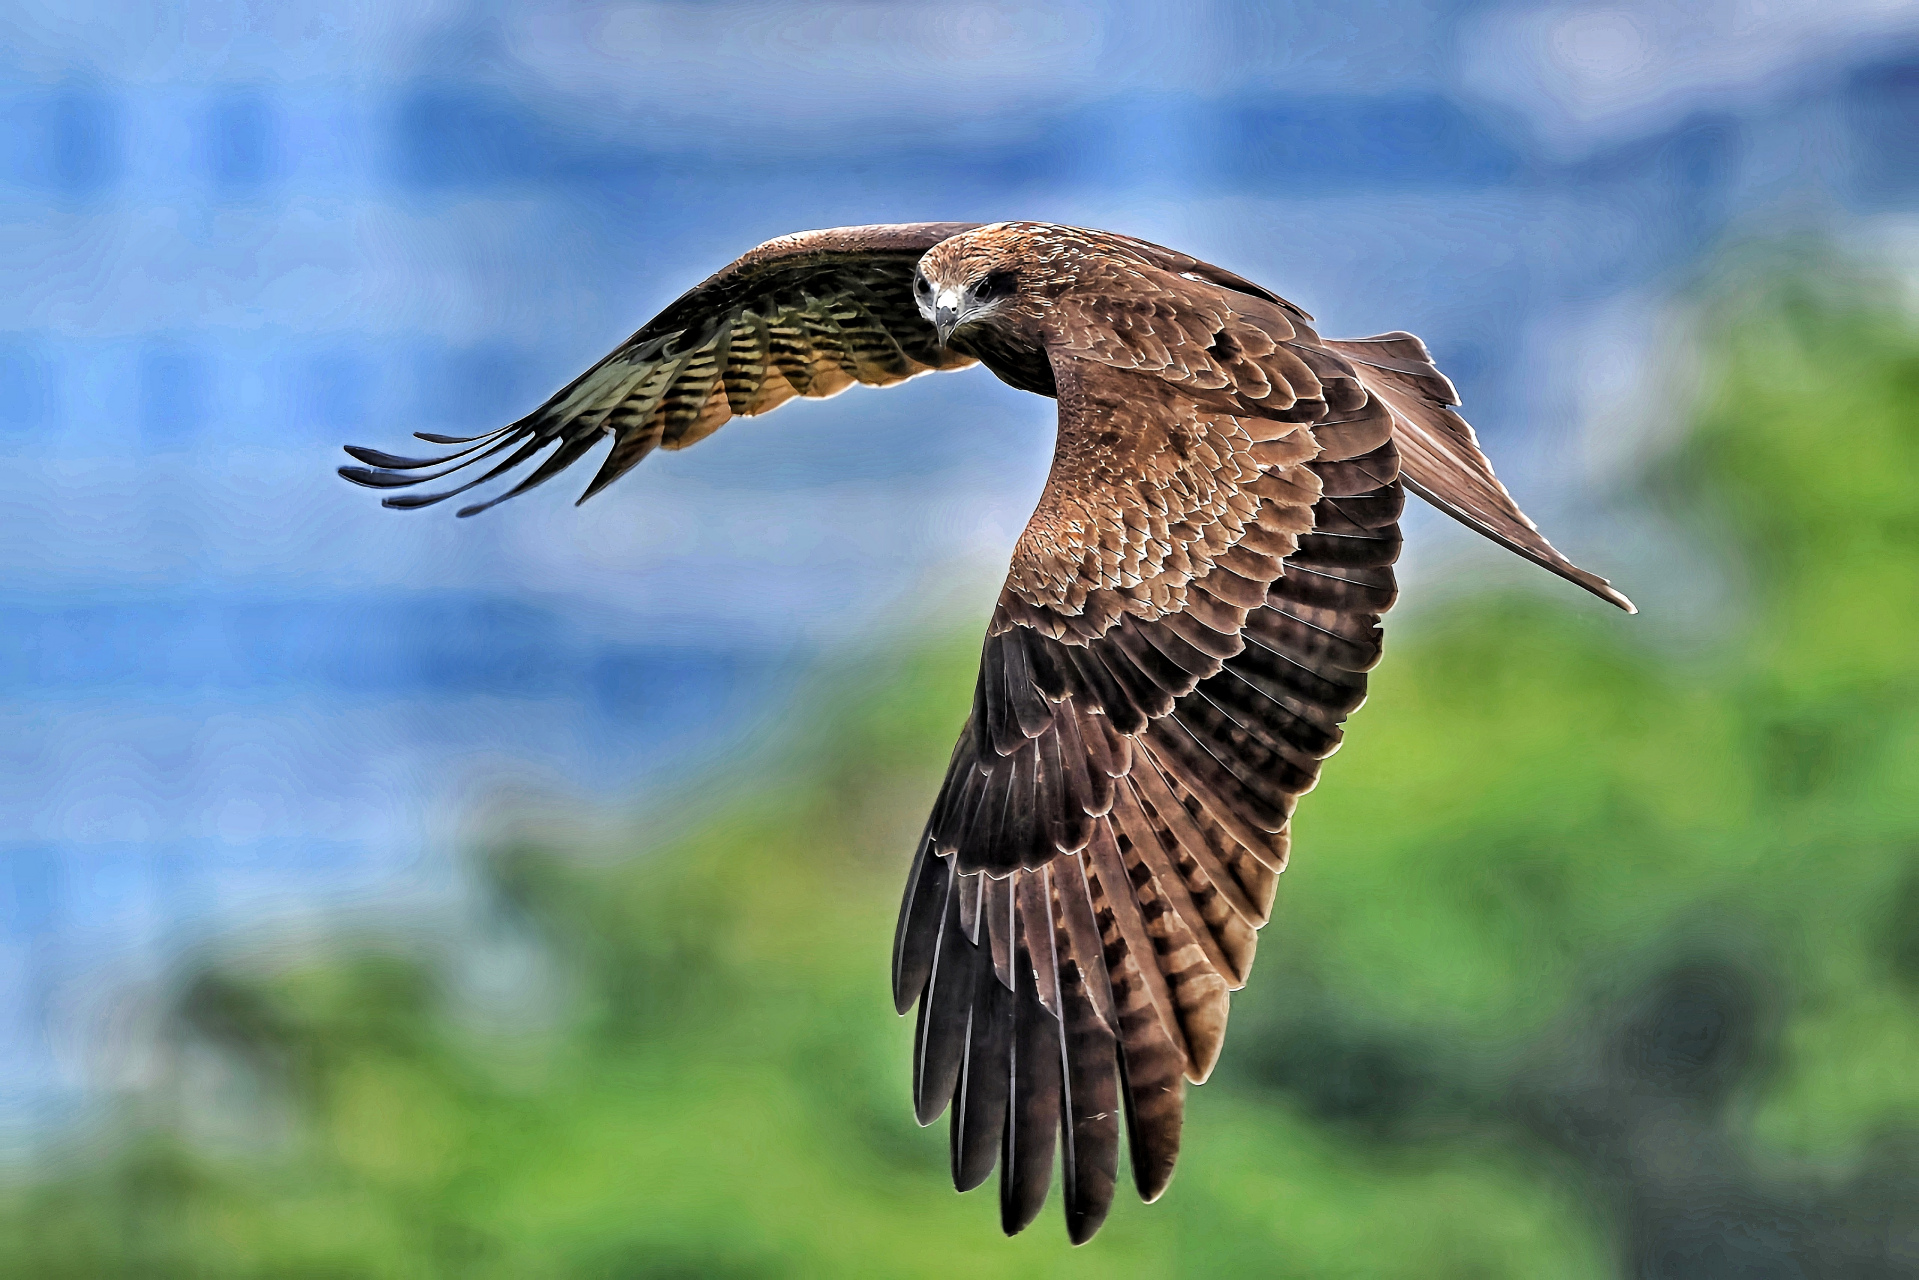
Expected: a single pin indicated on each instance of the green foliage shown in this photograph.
(1537, 803)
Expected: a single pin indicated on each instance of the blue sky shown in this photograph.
(236, 237)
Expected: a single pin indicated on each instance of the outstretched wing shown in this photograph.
(1188, 620)
(803, 315)
(1442, 457)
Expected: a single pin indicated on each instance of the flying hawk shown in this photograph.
(1188, 619)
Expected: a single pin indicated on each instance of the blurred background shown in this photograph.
(383, 894)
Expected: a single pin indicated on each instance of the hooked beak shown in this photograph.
(946, 314)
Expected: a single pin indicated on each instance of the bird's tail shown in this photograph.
(1439, 456)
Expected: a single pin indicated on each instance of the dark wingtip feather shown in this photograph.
(939, 1041)
(1082, 1226)
(395, 462)
(434, 437)
(916, 936)
(370, 478)
(1031, 1131)
(414, 501)
(980, 1100)
(375, 458)
(1089, 1120)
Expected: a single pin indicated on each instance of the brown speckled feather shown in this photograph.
(1187, 621)
(1173, 593)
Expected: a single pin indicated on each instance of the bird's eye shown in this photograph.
(921, 285)
(996, 285)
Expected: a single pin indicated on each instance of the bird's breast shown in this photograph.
(1014, 360)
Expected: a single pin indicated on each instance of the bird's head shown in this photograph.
(983, 276)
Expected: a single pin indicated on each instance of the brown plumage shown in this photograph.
(1188, 619)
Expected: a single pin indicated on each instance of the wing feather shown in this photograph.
(1443, 461)
(1032, 1105)
(917, 937)
(1089, 1129)
(940, 1039)
(1178, 681)
(979, 1113)
(805, 315)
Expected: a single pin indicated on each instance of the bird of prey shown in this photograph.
(1188, 619)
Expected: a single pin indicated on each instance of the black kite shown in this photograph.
(1189, 618)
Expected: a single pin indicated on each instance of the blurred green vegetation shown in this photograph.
(1569, 891)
